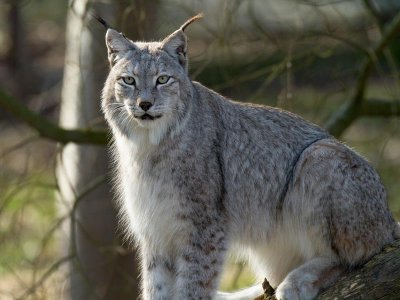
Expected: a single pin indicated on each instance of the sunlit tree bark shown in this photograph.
(101, 268)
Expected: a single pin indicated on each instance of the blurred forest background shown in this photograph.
(334, 62)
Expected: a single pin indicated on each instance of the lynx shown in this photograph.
(199, 174)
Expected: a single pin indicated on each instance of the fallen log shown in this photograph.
(379, 278)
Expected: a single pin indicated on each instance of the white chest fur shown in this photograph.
(150, 205)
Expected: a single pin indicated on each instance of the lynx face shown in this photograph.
(147, 83)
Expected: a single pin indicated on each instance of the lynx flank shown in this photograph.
(198, 174)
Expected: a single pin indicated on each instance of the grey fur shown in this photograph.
(207, 173)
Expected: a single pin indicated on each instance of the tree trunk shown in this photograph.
(100, 268)
(379, 278)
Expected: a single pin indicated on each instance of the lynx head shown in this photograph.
(148, 82)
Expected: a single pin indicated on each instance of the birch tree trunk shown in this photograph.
(100, 268)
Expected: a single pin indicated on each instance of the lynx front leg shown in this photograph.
(305, 282)
(199, 266)
(158, 277)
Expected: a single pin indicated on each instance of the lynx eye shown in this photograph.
(129, 80)
(162, 79)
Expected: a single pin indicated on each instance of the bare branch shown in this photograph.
(351, 110)
(48, 129)
(371, 9)
(380, 108)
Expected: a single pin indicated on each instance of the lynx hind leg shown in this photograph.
(349, 194)
(341, 189)
(306, 281)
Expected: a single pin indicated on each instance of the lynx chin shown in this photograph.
(198, 174)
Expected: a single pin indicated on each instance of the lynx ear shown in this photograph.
(176, 43)
(117, 45)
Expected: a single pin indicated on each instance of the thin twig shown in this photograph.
(46, 275)
(371, 9)
(18, 145)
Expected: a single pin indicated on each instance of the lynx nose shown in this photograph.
(145, 105)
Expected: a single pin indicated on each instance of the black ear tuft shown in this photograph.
(117, 43)
(176, 43)
(191, 20)
(100, 20)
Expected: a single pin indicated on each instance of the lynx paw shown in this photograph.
(291, 289)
